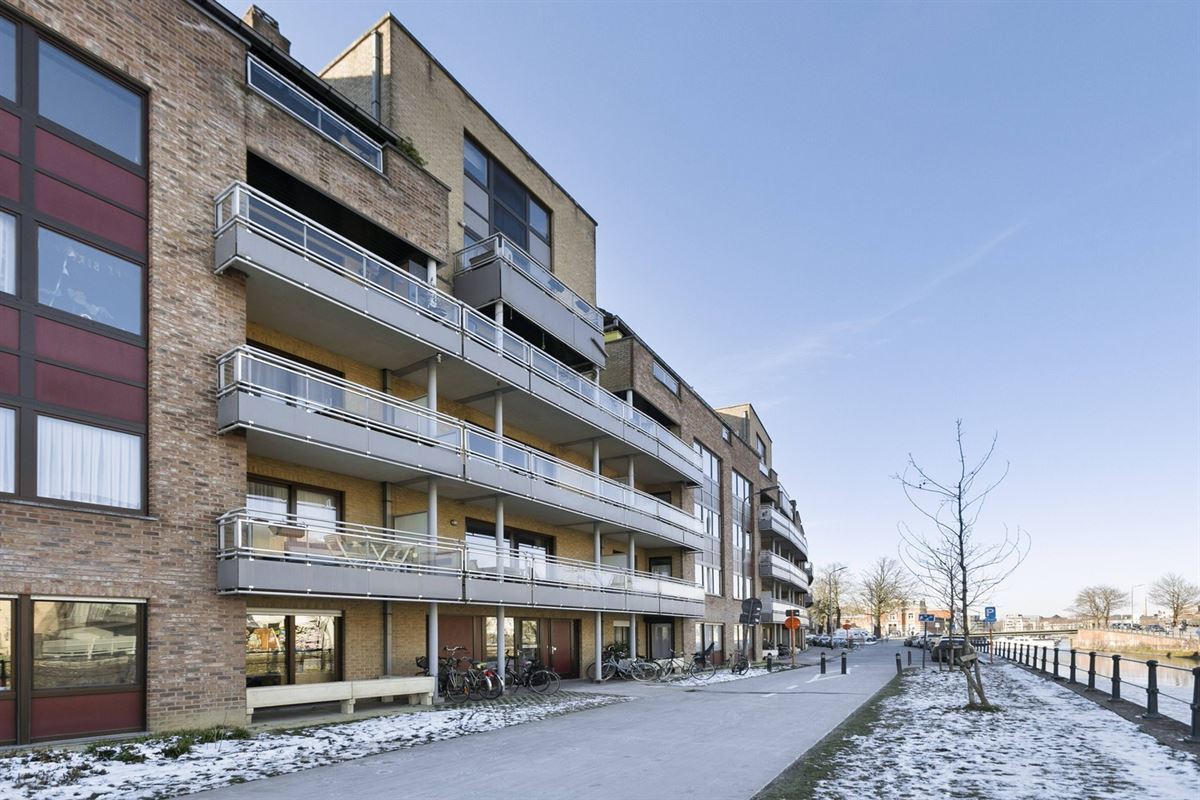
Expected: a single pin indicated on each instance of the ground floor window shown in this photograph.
(70, 667)
(292, 647)
(711, 634)
(621, 634)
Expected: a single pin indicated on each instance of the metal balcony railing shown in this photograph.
(781, 523)
(248, 368)
(497, 246)
(268, 217)
(781, 568)
(247, 533)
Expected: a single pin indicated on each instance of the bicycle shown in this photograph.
(531, 675)
(676, 666)
(702, 666)
(619, 664)
(739, 664)
(456, 685)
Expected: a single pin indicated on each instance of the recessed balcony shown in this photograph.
(772, 520)
(775, 611)
(296, 414)
(287, 555)
(772, 565)
(495, 270)
(305, 280)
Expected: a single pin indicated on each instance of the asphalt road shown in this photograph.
(726, 740)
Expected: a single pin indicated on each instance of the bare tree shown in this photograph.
(881, 588)
(828, 588)
(972, 564)
(1176, 594)
(1097, 603)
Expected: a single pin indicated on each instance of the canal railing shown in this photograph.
(1048, 660)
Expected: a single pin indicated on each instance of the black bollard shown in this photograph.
(1056, 661)
(1152, 689)
(899, 666)
(1043, 660)
(822, 663)
(843, 663)
(768, 662)
(1194, 736)
(1091, 670)
(1116, 677)
(910, 657)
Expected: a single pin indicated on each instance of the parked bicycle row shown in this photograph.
(618, 664)
(461, 679)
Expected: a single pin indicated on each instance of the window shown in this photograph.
(494, 201)
(665, 378)
(291, 98)
(621, 634)
(489, 636)
(8, 450)
(86, 464)
(661, 565)
(274, 499)
(726, 434)
(743, 545)
(760, 448)
(8, 59)
(6, 646)
(707, 508)
(78, 645)
(283, 648)
(8, 253)
(87, 282)
(96, 107)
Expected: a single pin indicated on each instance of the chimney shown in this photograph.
(266, 26)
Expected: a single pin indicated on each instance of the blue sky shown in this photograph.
(870, 219)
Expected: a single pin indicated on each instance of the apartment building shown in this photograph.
(301, 380)
(754, 544)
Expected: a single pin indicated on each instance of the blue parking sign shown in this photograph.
(989, 614)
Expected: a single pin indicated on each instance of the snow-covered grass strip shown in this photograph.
(723, 675)
(170, 766)
(1045, 741)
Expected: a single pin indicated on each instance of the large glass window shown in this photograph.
(96, 107)
(665, 378)
(8, 59)
(283, 648)
(316, 648)
(707, 508)
(86, 464)
(495, 201)
(8, 253)
(88, 282)
(78, 645)
(8, 450)
(743, 544)
(266, 650)
(489, 636)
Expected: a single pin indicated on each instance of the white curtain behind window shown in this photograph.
(88, 465)
(8, 450)
(8, 253)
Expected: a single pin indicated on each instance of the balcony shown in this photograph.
(775, 566)
(496, 269)
(774, 610)
(772, 520)
(284, 554)
(303, 416)
(307, 281)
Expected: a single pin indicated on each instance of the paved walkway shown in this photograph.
(727, 741)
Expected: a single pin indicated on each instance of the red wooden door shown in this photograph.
(562, 648)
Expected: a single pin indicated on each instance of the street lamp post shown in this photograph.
(1131, 588)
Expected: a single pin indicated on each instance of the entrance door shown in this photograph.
(8, 703)
(563, 653)
(662, 639)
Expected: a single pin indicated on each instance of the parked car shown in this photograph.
(947, 646)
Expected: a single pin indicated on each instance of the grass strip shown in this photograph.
(821, 760)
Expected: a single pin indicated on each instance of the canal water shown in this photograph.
(1175, 677)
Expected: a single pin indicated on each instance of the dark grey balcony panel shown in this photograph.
(488, 473)
(244, 574)
(677, 607)
(263, 259)
(422, 456)
(560, 397)
(490, 360)
(498, 280)
(639, 438)
(579, 503)
(685, 466)
(565, 596)
(485, 590)
(643, 604)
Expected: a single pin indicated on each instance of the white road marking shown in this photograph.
(793, 686)
(771, 694)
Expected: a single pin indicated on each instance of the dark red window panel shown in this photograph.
(82, 714)
(8, 719)
(10, 133)
(10, 178)
(10, 374)
(85, 349)
(89, 213)
(90, 171)
(65, 387)
(9, 321)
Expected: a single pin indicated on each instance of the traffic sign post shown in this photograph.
(989, 616)
(792, 623)
(925, 620)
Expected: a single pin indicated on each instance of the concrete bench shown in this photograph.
(418, 690)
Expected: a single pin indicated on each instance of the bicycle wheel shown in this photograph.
(543, 681)
(477, 685)
(455, 689)
(591, 672)
(642, 671)
(512, 682)
(702, 670)
(494, 687)
(740, 667)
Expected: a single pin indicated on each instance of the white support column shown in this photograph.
(501, 561)
(599, 633)
(631, 562)
(431, 380)
(498, 318)
(432, 649)
(431, 270)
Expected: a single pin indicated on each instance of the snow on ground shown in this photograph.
(723, 675)
(1045, 742)
(115, 771)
